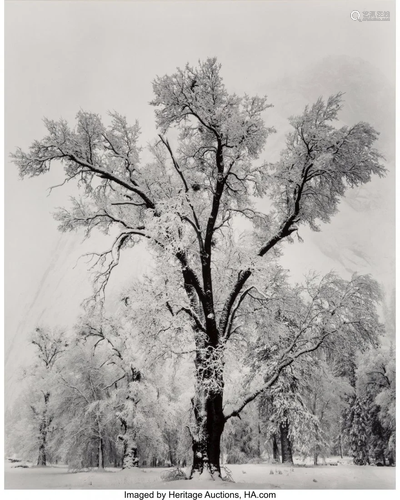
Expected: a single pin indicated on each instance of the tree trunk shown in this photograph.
(208, 414)
(317, 448)
(42, 455)
(101, 454)
(206, 445)
(128, 438)
(171, 457)
(215, 425)
(130, 457)
(286, 446)
(259, 433)
(275, 449)
(199, 456)
(316, 445)
(43, 430)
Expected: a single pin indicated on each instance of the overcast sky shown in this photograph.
(98, 56)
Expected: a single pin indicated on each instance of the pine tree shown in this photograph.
(359, 431)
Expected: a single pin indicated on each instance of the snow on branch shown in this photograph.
(109, 260)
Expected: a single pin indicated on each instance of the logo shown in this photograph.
(355, 15)
(370, 15)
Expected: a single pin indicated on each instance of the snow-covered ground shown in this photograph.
(249, 476)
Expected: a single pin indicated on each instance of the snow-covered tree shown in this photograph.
(150, 400)
(32, 414)
(110, 337)
(185, 202)
(325, 398)
(85, 408)
(244, 439)
(372, 416)
(50, 344)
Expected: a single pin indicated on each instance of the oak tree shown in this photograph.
(186, 200)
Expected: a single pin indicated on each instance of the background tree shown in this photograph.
(85, 406)
(150, 399)
(186, 199)
(50, 344)
(326, 399)
(33, 413)
(243, 439)
(371, 418)
(110, 336)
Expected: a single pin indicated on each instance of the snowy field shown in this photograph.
(249, 476)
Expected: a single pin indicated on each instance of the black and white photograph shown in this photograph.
(199, 247)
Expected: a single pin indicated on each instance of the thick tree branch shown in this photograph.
(382, 375)
(111, 177)
(174, 162)
(227, 333)
(193, 316)
(251, 397)
(286, 229)
(190, 277)
(275, 375)
(243, 276)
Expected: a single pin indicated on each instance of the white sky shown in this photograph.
(99, 56)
